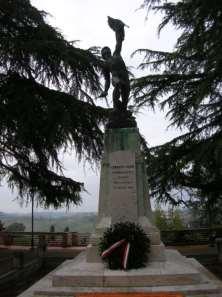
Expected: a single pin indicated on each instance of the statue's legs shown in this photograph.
(117, 104)
(125, 91)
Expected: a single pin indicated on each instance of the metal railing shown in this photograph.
(190, 236)
(66, 239)
(51, 239)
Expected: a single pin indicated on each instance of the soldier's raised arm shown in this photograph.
(118, 27)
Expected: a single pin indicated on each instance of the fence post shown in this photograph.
(18, 259)
(75, 239)
(7, 238)
(219, 248)
(65, 240)
(42, 245)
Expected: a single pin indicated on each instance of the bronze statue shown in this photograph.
(114, 65)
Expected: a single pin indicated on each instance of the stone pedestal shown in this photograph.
(124, 191)
(124, 197)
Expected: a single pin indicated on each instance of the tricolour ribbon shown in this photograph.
(114, 246)
(125, 255)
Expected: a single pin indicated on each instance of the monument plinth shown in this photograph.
(123, 192)
(124, 197)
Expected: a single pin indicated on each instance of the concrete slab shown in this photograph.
(203, 283)
(175, 270)
(44, 289)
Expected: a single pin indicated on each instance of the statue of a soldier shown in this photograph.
(114, 65)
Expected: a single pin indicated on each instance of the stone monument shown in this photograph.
(123, 182)
(124, 197)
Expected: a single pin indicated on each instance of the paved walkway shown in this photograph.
(192, 250)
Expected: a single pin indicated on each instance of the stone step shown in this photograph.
(208, 286)
(188, 291)
(176, 270)
(127, 280)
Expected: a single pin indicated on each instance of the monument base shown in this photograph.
(176, 270)
(157, 248)
(157, 251)
(176, 274)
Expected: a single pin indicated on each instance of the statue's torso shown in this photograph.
(118, 69)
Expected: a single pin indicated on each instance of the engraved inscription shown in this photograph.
(123, 177)
(123, 186)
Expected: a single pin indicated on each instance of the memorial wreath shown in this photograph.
(125, 246)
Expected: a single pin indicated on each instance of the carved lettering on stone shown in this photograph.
(123, 192)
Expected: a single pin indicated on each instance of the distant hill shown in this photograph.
(77, 222)
(7, 215)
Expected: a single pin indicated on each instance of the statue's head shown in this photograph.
(106, 52)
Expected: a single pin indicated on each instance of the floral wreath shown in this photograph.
(125, 245)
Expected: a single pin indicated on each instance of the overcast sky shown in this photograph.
(86, 21)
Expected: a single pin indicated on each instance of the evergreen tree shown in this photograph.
(2, 227)
(174, 220)
(187, 83)
(52, 229)
(168, 220)
(207, 211)
(160, 218)
(16, 227)
(46, 90)
(66, 229)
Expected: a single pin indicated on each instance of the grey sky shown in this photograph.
(86, 20)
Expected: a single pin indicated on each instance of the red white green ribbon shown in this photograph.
(114, 246)
(125, 255)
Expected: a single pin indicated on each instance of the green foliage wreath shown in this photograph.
(139, 245)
